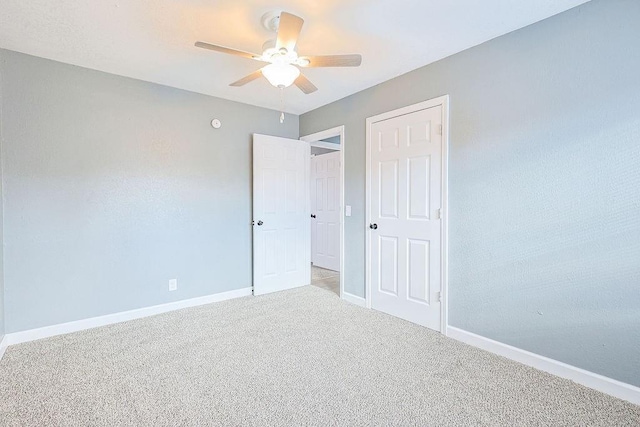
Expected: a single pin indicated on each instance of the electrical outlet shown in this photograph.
(173, 284)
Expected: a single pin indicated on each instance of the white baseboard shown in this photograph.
(4, 343)
(354, 299)
(589, 379)
(109, 319)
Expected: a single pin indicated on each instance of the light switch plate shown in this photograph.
(347, 210)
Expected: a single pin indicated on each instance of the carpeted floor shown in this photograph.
(325, 279)
(300, 357)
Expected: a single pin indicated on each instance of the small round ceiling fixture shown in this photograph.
(215, 123)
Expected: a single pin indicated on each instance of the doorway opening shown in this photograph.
(327, 209)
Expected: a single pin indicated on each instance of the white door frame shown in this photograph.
(444, 262)
(315, 140)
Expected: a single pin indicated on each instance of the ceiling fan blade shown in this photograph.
(227, 50)
(333, 61)
(305, 85)
(288, 31)
(251, 77)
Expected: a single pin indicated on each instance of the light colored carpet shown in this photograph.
(300, 357)
(325, 279)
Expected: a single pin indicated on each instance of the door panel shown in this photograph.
(325, 188)
(418, 197)
(389, 189)
(406, 158)
(388, 265)
(281, 243)
(419, 280)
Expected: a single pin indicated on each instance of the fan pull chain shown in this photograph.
(282, 105)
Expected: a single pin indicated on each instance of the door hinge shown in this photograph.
(439, 296)
(439, 214)
(439, 129)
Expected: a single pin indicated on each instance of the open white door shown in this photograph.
(325, 210)
(281, 214)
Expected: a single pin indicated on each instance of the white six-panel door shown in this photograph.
(281, 241)
(405, 203)
(325, 210)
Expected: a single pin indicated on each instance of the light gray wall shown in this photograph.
(544, 184)
(113, 186)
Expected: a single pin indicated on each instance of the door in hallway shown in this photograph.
(325, 210)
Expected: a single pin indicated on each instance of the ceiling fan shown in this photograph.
(282, 57)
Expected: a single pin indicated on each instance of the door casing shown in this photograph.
(444, 277)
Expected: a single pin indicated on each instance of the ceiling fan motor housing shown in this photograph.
(269, 44)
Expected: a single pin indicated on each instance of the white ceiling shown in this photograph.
(153, 40)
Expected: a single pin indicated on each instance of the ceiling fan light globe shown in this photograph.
(281, 75)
